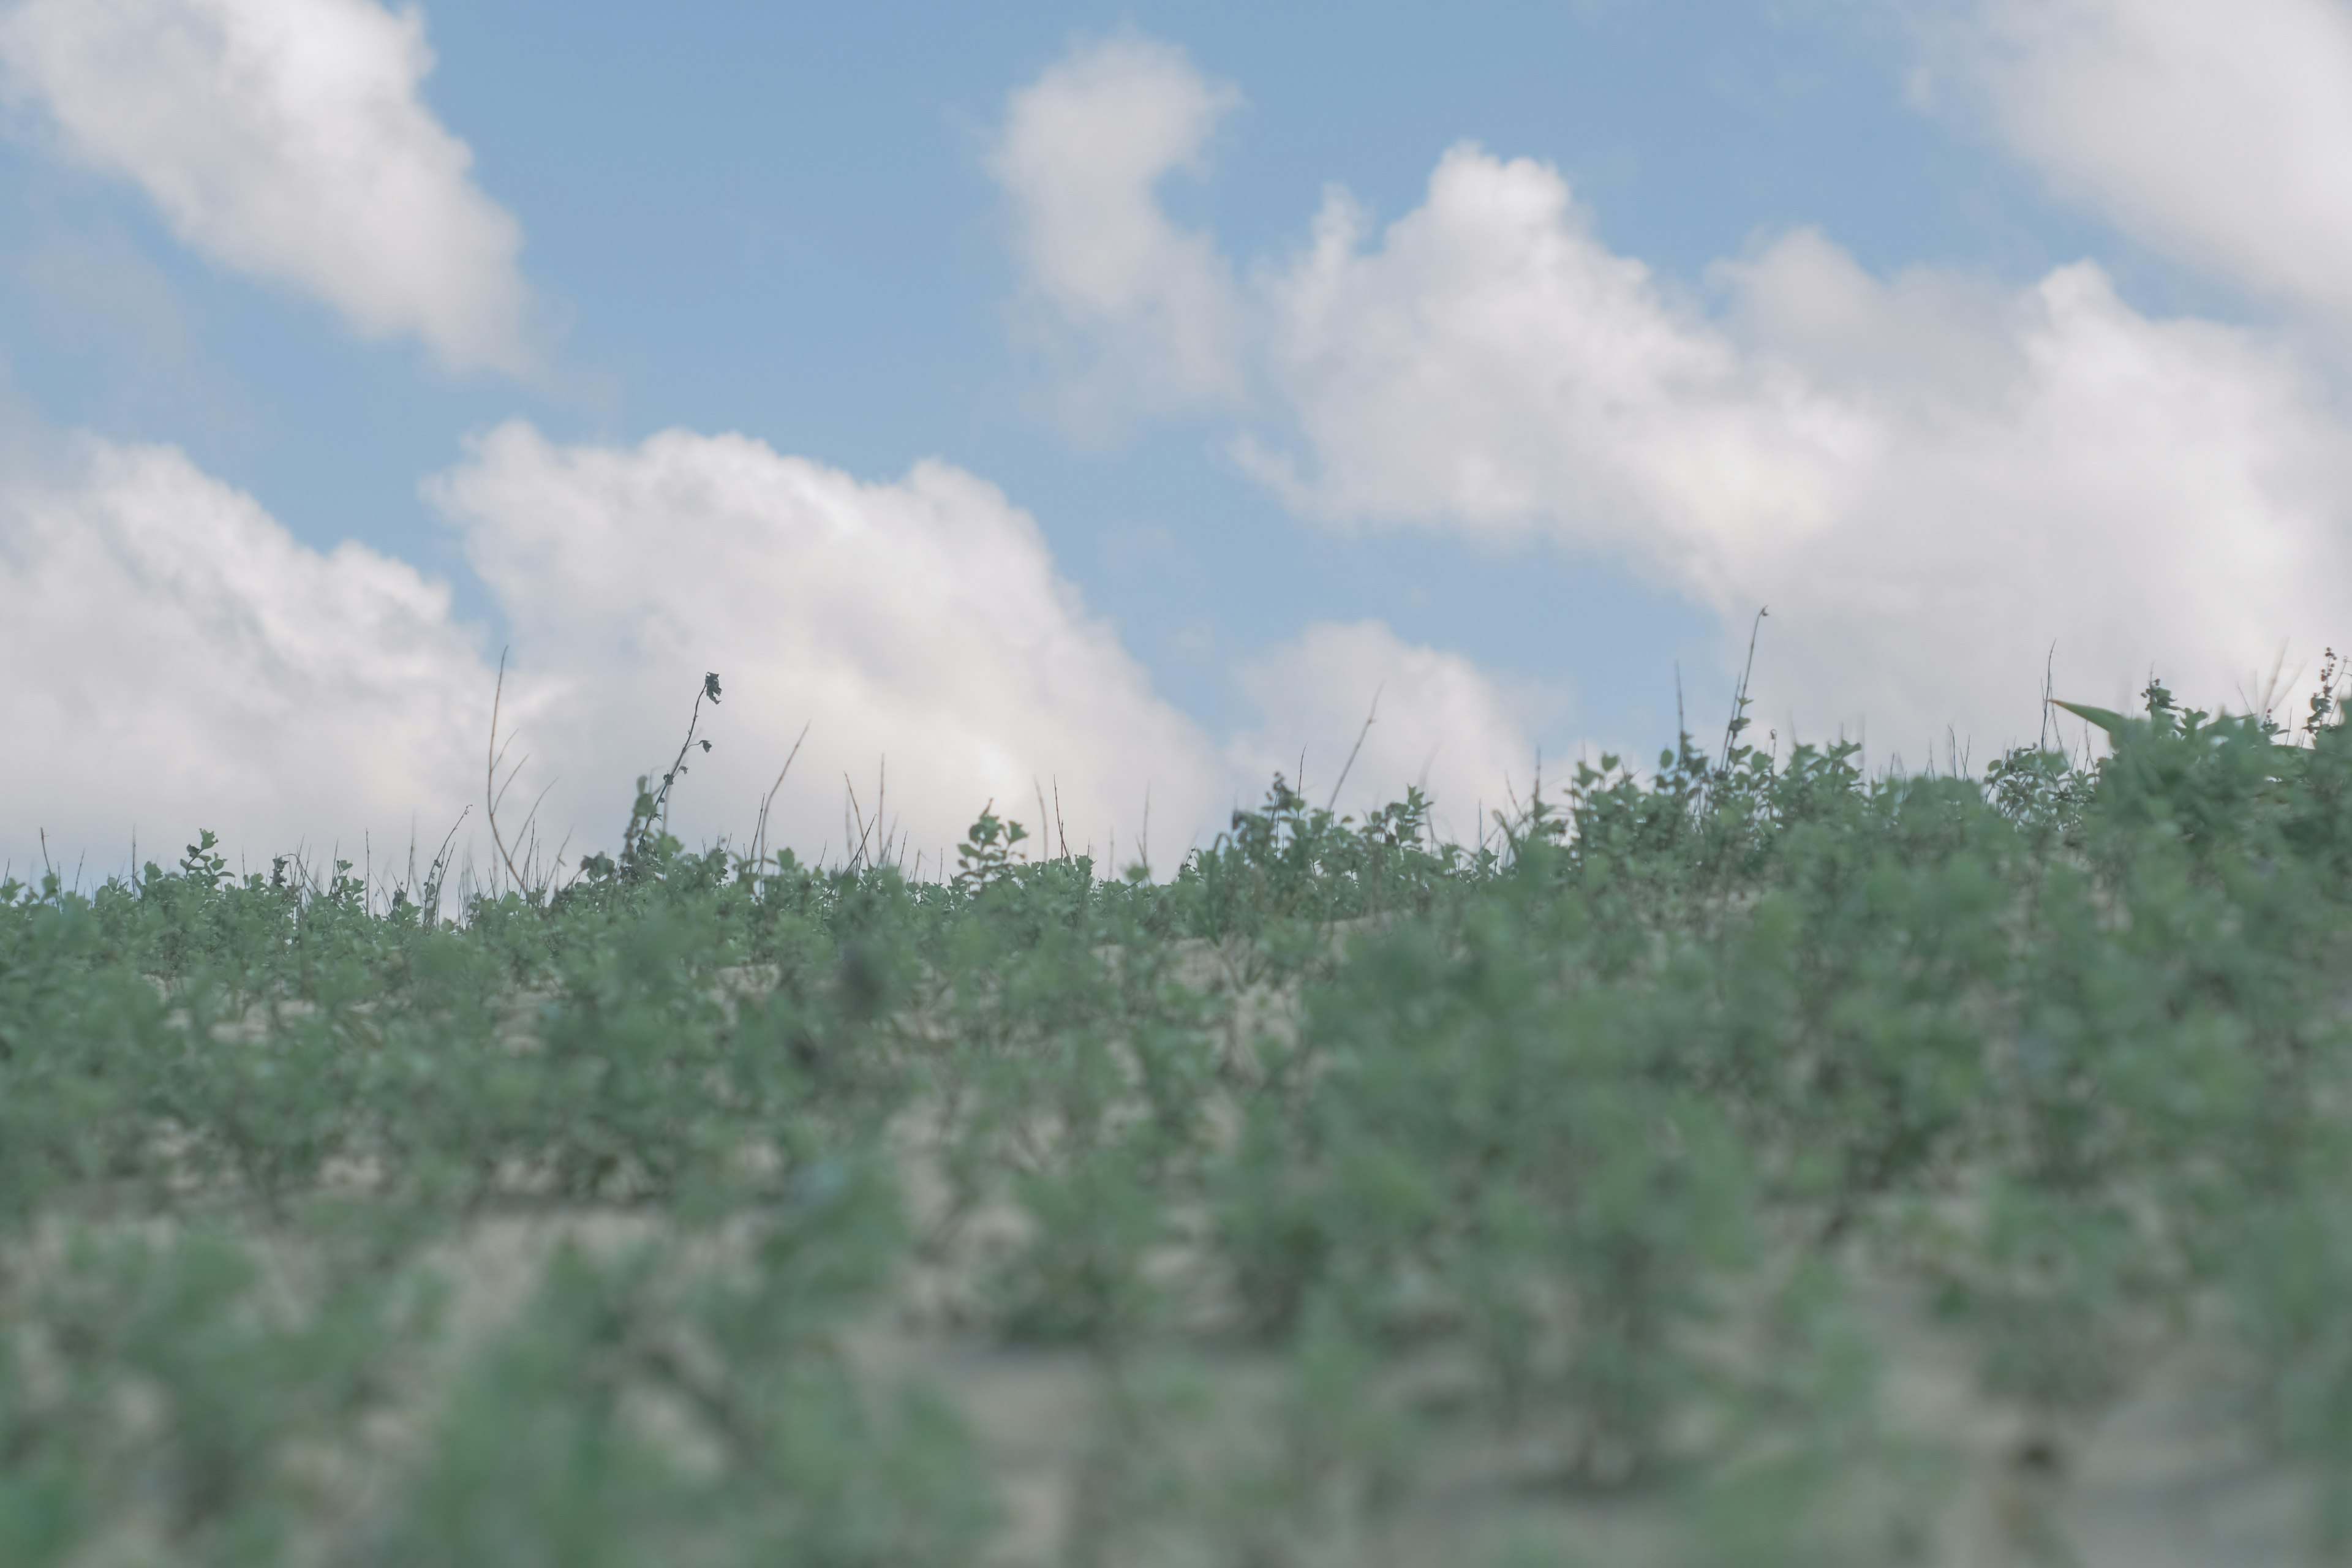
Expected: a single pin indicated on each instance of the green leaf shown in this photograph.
(2106, 719)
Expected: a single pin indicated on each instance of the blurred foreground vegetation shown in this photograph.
(1356, 1198)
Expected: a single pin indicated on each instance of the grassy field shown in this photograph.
(1746, 1162)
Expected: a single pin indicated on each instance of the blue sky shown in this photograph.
(798, 224)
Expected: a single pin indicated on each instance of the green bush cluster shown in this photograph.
(1339, 1156)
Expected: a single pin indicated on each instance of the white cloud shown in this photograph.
(1438, 721)
(1142, 314)
(1491, 364)
(1928, 480)
(197, 666)
(2222, 133)
(2167, 495)
(918, 624)
(286, 139)
(181, 662)
(200, 668)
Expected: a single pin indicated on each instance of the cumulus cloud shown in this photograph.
(1142, 313)
(918, 628)
(1491, 364)
(2220, 134)
(287, 139)
(198, 667)
(181, 662)
(1437, 721)
(1929, 480)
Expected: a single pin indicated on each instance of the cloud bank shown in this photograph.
(1930, 481)
(287, 139)
(200, 668)
(918, 628)
(1929, 478)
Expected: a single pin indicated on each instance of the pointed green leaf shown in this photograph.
(2106, 719)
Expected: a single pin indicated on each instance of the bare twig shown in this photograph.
(527, 830)
(864, 828)
(2049, 694)
(1351, 762)
(491, 792)
(760, 831)
(430, 898)
(678, 767)
(1740, 694)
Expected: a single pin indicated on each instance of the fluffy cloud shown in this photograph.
(181, 662)
(286, 139)
(197, 666)
(2165, 495)
(1142, 313)
(1437, 721)
(1930, 480)
(1491, 364)
(2220, 134)
(918, 628)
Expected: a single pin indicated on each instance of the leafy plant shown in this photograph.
(1365, 1184)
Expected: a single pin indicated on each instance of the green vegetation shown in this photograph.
(1593, 1194)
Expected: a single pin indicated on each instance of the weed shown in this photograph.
(1560, 1164)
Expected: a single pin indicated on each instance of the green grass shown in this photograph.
(1578, 1197)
